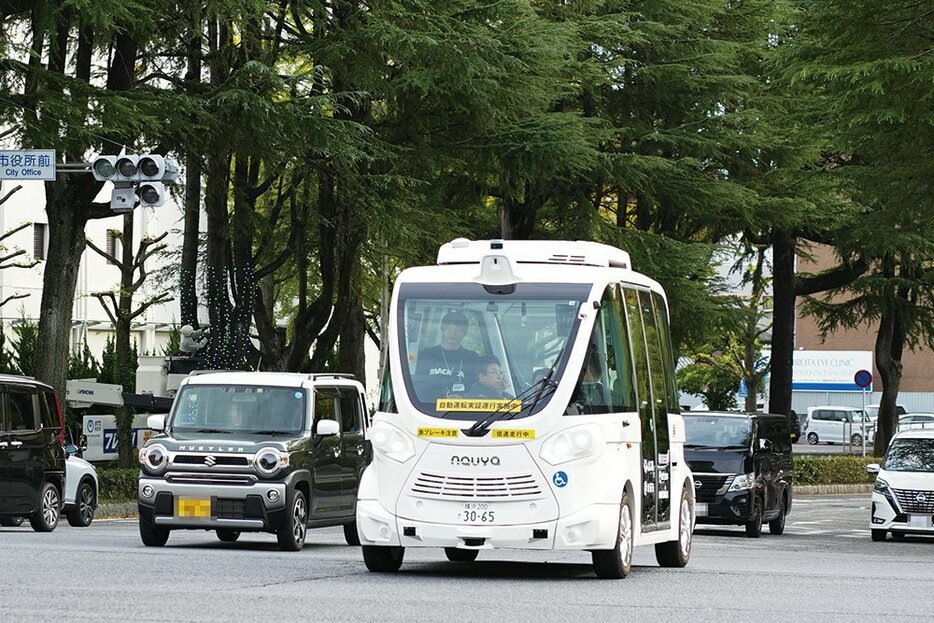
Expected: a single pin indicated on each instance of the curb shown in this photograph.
(116, 510)
(832, 489)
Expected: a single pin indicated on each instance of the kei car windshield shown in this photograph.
(467, 349)
(239, 409)
(711, 431)
(910, 455)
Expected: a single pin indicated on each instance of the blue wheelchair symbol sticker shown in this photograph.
(560, 479)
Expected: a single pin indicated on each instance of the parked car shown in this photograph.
(837, 425)
(81, 487)
(32, 460)
(903, 495)
(742, 467)
(873, 411)
(255, 451)
(915, 420)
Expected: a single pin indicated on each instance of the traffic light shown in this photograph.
(147, 171)
(151, 194)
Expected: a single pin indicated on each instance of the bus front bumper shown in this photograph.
(593, 527)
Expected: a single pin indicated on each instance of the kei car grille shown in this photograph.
(230, 509)
(487, 488)
(218, 459)
(711, 485)
(916, 501)
(212, 479)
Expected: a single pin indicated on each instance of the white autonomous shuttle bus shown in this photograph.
(528, 401)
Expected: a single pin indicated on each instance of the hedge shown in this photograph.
(118, 484)
(833, 470)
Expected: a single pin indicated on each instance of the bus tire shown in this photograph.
(383, 559)
(616, 563)
(677, 553)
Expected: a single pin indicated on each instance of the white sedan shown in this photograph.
(903, 495)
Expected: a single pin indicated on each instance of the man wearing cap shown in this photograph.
(449, 364)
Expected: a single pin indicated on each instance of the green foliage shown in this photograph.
(175, 339)
(118, 484)
(833, 470)
(7, 365)
(83, 365)
(119, 372)
(26, 347)
(716, 383)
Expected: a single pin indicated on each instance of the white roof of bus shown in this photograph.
(268, 379)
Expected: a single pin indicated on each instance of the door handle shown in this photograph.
(360, 450)
(625, 423)
(337, 451)
(16, 444)
(3, 444)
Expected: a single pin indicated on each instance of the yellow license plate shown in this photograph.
(192, 507)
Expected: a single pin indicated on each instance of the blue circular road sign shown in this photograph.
(863, 378)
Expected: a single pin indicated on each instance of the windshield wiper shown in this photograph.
(271, 432)
(207, 430)
(481, 427)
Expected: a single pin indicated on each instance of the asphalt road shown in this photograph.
(823, 568)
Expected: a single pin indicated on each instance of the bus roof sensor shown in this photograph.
(496, 270)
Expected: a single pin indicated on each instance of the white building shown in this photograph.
(89, 320)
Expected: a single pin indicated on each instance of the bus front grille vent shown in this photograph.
(481, 488)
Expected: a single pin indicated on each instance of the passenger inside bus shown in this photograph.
(590, 396)
(448, 366)
(491, 380)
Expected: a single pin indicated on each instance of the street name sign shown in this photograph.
(27, 164)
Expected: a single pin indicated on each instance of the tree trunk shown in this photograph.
(66, 202)
(783, 322)
(188, 295)
(352, 341)
(890, 342)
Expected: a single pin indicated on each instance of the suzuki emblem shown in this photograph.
(209, 460)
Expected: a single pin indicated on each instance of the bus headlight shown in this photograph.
(391, 442)
(572, 444)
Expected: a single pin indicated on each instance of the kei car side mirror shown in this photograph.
(156, 422)
(873, 468)
(326, 428)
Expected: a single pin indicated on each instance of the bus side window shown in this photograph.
(664, 333)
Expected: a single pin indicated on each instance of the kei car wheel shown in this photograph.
(11, 522)
(45, 518)
(291, 535)
(82, 514)
(616, 563)
(455, 554)
(813, 439)
(856, 439)
(382, 559)
(227, 535)
(678, 553)
(152, 536)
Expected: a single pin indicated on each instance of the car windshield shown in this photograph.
(468, 350)
(239, 409)
(711, 431)
(910, 455)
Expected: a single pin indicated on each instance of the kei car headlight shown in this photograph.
(154, 458)
(269, 461)
(574, 443)
(743, 482)
(391, 442)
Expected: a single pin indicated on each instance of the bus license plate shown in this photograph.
(476, 512)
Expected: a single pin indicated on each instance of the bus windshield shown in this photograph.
(468, 350)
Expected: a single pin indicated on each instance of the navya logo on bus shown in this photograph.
(478, 461)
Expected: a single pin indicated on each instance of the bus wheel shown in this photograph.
(382, 559)
(616, 563)
(677, 553)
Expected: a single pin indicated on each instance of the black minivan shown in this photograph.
(742, 466)
(32, 460)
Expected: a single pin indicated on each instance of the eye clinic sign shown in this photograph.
(829, 370)
(27, 164)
